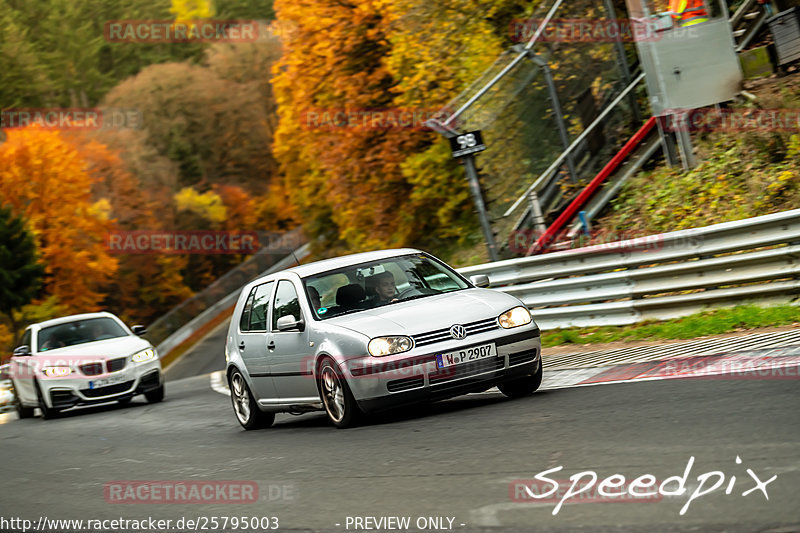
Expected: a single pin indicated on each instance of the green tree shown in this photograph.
(20, 271)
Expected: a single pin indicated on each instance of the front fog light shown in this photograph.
(146, 355)
(519, 316)
(381, 346)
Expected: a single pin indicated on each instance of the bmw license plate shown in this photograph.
(465, 355)
(105, 382)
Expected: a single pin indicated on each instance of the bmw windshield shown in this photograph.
(79, 332)
(379, 283)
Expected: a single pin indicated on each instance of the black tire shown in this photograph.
(153, 396)
(521, 387)
(244, 405)
(22, 411)
(48, 413)
(341, 407)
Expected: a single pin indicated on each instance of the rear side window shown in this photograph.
(254, 314)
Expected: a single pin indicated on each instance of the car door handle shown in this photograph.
(241, 345)
(271, 345)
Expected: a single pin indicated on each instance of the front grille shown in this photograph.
(92, 369)
(115, 365)
(440, 335)
(465, 370)
(107, 391)
(399, 385)
(522, 357)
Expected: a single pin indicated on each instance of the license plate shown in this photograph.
(466, 355)
(105, 382)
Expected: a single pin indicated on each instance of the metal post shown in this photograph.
(667, 142)
(536, 211)
(685, 143)
(622, 61)
(477, 197)
(562, 128)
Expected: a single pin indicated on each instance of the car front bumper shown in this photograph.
(383, 383)
(63, 393)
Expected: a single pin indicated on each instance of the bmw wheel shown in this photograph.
(47, 412)
(22, 411)
(155, 395)
(521, 387)
(342, 409)
(244, 405)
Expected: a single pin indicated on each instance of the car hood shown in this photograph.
(429, 313)
(105, 349)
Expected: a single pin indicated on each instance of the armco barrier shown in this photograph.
(657, 277)
(182, 321)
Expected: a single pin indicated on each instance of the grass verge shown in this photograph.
(715, 322)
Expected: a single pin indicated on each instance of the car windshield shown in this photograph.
(379, 283)
(79, 332)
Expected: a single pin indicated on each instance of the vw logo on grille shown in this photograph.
(458, 331)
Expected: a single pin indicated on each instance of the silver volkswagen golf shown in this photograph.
(371, 331)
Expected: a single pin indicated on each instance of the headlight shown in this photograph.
(519, 316)
(381, 346)
(57, 371)
(146, 355)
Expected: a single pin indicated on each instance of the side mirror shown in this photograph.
(22, 350)
(480, 280)
(290, 323)
(139, 330)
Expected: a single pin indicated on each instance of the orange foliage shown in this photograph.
(44, 178)
(144, 285)
(347, 185)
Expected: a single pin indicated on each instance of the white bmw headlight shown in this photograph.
(146, 355)
(519, 316)
(380, 346)
(57, 371)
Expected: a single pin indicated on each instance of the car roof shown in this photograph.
(325, 265)
(73, 318)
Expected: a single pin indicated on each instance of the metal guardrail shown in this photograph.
(189, 328)
(180, 322)
(657, 277)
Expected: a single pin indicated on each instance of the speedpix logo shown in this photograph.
(643, 488)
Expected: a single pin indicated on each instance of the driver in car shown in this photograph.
(385, 289)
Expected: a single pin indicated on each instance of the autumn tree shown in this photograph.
(346, 182)
(44, 179)
(356, 187)
(191, 119)
(144, 285)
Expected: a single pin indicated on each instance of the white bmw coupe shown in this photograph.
(83, 359)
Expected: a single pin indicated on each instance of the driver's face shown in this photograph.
(385, 289)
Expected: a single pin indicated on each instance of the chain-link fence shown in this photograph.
(582, 60)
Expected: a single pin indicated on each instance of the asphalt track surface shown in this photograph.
(457, 459)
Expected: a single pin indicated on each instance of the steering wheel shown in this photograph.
(405, 293)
